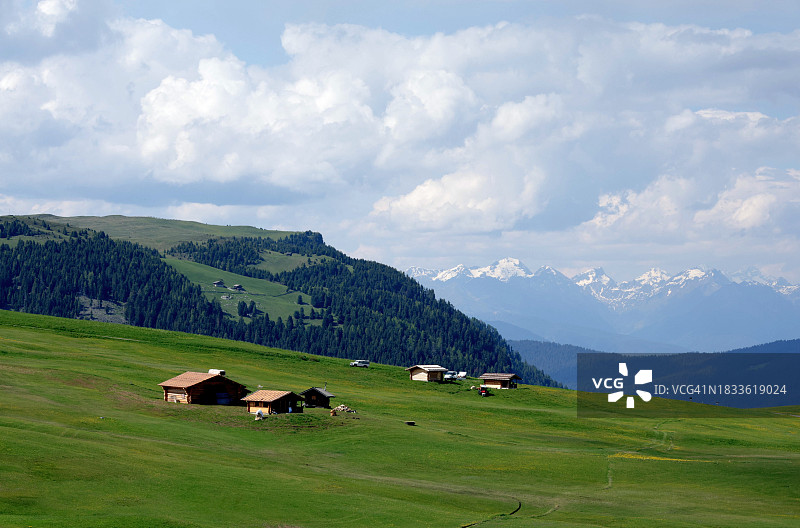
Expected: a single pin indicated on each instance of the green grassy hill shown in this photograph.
(158, 233)
(86, 440)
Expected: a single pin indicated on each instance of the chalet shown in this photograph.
(426, 372)
(202, 387)
(316, 397)
(500, 380)
(218, 283)
(273, 402)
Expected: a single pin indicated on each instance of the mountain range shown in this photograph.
(695, 310)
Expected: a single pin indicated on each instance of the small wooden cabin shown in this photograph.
(426, 373)
(316, 397)
(273, 402)
(497, 380)
(202, 387)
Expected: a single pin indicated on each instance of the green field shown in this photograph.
(159, 233)
(270, 297)
(86, 440)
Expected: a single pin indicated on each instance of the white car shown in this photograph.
(360, 363)
(451, 375)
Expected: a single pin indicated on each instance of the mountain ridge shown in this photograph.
(658, 310)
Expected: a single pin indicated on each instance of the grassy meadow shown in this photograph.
(86, 440)
(159, 233)
(270, 297)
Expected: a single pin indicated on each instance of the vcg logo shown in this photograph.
(641, 378)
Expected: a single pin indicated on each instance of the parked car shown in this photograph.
(360, 363)
(451, 375)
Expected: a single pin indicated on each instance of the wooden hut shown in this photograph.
(202, 387)
(497, 380)
(316, 397)
(273, 402)
(426, 372)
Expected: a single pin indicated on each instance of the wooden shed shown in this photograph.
(202, 387)
(499, 380)
(316, 397)
(273, 402)
(426, 372)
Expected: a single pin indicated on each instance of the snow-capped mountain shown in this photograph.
(656, 282)
(501, 270)
(696, 309)
(754, 275)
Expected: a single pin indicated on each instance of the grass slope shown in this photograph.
(270, 297)
(85, 440)
(158, 233)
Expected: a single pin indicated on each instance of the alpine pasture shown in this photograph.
(87, 440)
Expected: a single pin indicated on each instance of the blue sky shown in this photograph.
(620, 134)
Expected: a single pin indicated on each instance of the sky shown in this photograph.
(576, 134)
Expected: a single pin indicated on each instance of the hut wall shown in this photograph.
(279, 406)
(419, 375)
(314, 399)
(174, 395)
(216, 391)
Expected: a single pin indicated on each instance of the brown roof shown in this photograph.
(268, 395)
(187, 379)
(499, 376)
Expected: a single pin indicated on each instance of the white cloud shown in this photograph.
(754, 202)
(587, 130)
(659, 211)
(50, 13)
(464, 201)
(763, 204)
(44, 18)
(14, 205)
(426, 104)
(512, 120)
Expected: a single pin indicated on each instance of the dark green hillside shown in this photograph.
(791, 346)
(346, 307)
(560, 361)
(15, 229)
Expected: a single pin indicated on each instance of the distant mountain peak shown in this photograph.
(503, 269)
(652, 277)
(416, 272)
(452, 273)
(753, 275)
(547, 270)
(594, 276)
